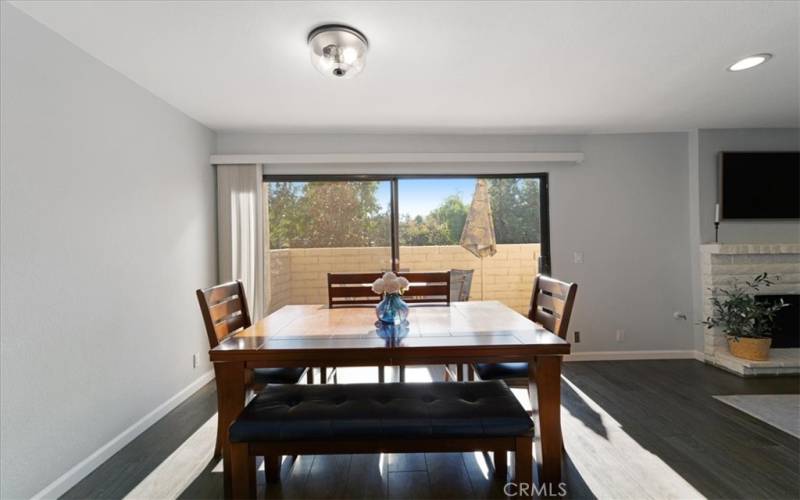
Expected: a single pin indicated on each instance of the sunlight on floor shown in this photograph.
(480, 459)
(178, 470)
(611, 462)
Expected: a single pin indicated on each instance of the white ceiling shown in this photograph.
(488, 67)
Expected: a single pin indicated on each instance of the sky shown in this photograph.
(420, 196)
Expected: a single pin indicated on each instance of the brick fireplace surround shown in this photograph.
(722, 262)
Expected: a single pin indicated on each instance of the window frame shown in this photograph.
(545, 266)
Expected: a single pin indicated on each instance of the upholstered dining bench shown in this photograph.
(378, 418)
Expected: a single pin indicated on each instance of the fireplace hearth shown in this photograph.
(721, 263)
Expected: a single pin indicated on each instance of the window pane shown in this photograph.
(318, 227)
(432, 217)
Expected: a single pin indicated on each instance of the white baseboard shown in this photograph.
(90, 463)
(633, 355)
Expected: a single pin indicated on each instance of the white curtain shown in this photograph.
(240, 218)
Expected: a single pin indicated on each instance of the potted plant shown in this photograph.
(745, 321)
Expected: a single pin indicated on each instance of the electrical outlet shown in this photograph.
(577, 257)
(195, 360)
(620, 335)
(577, 337)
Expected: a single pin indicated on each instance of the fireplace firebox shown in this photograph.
(786, 331)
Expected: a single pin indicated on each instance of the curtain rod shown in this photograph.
(351, 158)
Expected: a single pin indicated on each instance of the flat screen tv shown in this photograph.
(760, 185)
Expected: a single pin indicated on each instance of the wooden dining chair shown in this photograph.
(355, 289)
(225, 312)
(551, 307)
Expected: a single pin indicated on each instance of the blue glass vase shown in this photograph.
(392, 310)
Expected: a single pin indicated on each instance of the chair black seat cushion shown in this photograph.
(495, 371)
(277, 375)
(439, 409)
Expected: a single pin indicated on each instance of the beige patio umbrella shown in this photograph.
(478, 236)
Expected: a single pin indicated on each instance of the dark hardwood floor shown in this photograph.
(638, 429)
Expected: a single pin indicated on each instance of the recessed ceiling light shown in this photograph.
(338, 51)
(749, 62)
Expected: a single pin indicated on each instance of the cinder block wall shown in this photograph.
(298, 276)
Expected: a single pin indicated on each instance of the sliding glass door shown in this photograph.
(432, 215)
(317, 225)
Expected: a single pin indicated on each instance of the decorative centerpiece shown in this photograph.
(747, 322)
(391, 310)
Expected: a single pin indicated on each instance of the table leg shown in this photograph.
(544, 388)
(501, 465)
(231, 388)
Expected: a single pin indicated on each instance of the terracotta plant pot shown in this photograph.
(754, 349)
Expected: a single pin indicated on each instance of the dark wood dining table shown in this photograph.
(461, 333)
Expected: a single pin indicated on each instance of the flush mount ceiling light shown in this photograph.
(338, 51)
(749, 62)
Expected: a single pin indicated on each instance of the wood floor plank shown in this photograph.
(409, 484)
(448, 476)
(632, 429)
(406, 462)
(327, 477)
(481, 475)
(368, 477)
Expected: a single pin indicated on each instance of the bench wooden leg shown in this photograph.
(460, 373)
(523, 464)
(243, 471)
(221, 436)
(501, 464)
(402, 373)
(323, 375)
(272, 468)
(310, 376)
(470, 373)
(381, 375)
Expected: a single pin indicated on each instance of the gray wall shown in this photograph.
(711, 142)
(704, 147)
(108, 226)
(625, 207)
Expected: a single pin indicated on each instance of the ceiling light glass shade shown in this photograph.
(749, 62)
(338, 51)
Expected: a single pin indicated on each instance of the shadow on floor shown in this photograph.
(667, 408)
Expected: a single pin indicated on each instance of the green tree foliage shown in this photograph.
(515, 210)
(451, 214)
(348, 214)
(283, 206)
(418, 231)
(326, 214)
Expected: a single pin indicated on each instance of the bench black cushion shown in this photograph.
(394, 411)
(494, 371)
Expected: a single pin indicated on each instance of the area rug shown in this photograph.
(778, 410)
